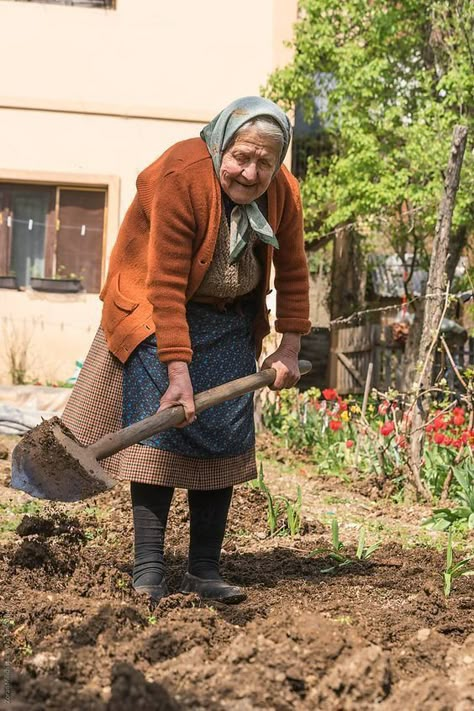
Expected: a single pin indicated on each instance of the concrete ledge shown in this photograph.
(35, 397)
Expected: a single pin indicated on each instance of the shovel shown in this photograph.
(50, 463)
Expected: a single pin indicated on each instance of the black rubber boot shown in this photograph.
(151, 505)
(208, 517)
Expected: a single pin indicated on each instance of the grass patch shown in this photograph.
(11, 514)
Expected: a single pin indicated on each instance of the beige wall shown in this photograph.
(51, 330)
(189, 56)
(93, 96)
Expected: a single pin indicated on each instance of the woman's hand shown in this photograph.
(285, 361)
(179, 391)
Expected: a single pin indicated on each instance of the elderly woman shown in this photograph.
(184, 311)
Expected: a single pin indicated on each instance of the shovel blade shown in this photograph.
(48, 463)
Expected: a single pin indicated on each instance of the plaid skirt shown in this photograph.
(95, 408)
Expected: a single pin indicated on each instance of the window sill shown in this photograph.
(62, 286)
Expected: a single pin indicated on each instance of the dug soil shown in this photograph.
(377, 634)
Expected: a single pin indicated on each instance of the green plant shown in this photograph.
(275, 506)
(10, 514)
(273, 502)
(364, 552)
(62, 273)
(26, 649)
(293, 513)
(338, 554)
(258, 483)
(273, 510)
(462, 515)
(454, 570)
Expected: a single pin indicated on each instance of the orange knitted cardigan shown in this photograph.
(165, 246)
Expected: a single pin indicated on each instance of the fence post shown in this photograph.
(368, 382)
(333, 361)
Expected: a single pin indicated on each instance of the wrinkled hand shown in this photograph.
(179, 391)
(285, 361)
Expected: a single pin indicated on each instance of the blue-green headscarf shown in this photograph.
(218, 134)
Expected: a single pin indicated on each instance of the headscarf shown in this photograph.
(217, 135)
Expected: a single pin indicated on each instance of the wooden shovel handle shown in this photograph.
(173, 416)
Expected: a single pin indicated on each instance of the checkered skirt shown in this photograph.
(95, 409)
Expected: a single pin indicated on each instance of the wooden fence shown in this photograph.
(353, 348)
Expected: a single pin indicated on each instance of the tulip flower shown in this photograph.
(387, 428)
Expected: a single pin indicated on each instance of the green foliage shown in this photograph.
(279, 505)
(391, 80)
(462, 515)
(258, 483)
(338, 554)
(454, 570)
(293, 513)
(10, 513)
(273, 510)
(332, 432)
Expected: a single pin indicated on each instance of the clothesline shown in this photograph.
(462, 296)
(33, 224)
(83, 228)
(380, 215)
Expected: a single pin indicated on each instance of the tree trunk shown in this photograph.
(349, 275)
(457, 243)
(432, 308)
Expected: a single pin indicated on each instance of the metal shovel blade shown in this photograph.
(49, 463)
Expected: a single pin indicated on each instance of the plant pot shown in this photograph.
(62, 286)
(8, 282)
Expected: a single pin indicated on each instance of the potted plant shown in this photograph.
(61, 283)
(8, 281)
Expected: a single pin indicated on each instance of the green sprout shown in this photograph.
(454, 570)
(337, 553)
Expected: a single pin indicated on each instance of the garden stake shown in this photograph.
(50, 463)
(368, 382)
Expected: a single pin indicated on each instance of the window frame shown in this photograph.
(109, 183)
(88, 4)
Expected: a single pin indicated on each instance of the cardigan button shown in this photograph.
(203, 261)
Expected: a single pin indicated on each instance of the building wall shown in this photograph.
(92, 96)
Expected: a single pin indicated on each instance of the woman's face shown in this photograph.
(248, 166)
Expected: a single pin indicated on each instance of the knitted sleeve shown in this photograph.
(291, 268)
(172, 231)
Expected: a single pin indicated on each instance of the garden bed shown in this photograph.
(378, 633)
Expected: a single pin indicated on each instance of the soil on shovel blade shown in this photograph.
(377, 634)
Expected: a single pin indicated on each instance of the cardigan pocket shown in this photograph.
(116, 307)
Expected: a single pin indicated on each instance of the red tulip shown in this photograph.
(384, 407)
(329, 394)
(439, 423)
(335, 425)
(387, 428)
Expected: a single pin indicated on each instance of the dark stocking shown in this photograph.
(151, 505)
(208, 517)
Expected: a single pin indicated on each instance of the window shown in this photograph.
(52, 231)
(309, 141)
(79, 3)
